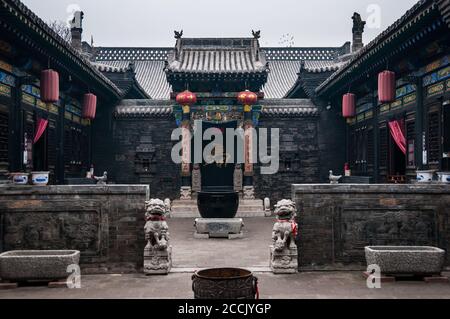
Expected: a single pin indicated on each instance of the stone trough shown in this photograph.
(406, 260)
(36, 265)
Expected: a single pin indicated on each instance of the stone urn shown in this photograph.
(218, 204)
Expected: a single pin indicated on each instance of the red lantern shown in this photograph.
(186, 98)
(49, 86)
(349, 105)
(247, 98)
(89, 106)
(386, 86)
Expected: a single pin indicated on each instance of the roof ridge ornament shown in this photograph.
(256, 34)
(178, 34)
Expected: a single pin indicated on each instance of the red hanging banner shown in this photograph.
(40, 129)
(397, 132)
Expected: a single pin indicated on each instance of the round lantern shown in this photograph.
(248, 99)
(386, 86)
(89, 106)
(349, 105)
(49, 86)
(186, 99)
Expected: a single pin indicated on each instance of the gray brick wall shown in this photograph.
(104, 222)
(336, 222)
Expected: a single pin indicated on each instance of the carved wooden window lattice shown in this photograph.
(352, 148)
(4, 136)
(384, 147)
(434, 142)
(52, 146)
(370, 148)
(410, 140)
(29, 131)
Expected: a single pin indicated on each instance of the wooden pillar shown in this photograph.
(16, 137)
(186, 178)
(420, 125)
(249, 190)
(60, 141)
(376, 140)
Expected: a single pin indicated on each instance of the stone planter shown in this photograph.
(444, 177)
(19, 178)
(407, 260)
(425, 176)
(24, 265)
(40, 178)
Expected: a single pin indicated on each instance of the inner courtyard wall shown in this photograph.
(336, 222)
(299, 157)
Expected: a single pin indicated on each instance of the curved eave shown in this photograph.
(373, 55)
(29, 28)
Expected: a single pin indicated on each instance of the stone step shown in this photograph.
(188, 209)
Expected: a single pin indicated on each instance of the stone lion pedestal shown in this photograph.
(157, 252)
(285, 261)
(157, 262)
(283, 251)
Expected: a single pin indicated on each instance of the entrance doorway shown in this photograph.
(40, 153)
(397, 152)
(446, 136)
(218, 176)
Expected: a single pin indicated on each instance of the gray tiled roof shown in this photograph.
(150, 75)
(284, 65)
(217, 55)
(144, 108)
(444, 7)
(163, 108)
(288, 107)
(284, 74)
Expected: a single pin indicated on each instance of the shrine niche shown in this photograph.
(145, 160)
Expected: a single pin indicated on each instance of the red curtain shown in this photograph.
(397, 131)
(40, 129)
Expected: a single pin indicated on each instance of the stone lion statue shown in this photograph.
(156, 228)
(285, 229)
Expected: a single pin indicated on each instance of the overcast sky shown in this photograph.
(282, 22)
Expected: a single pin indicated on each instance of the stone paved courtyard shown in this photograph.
(249, 252)
(323, 285)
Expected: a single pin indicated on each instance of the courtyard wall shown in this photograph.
(104, 222)
(336, 222)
